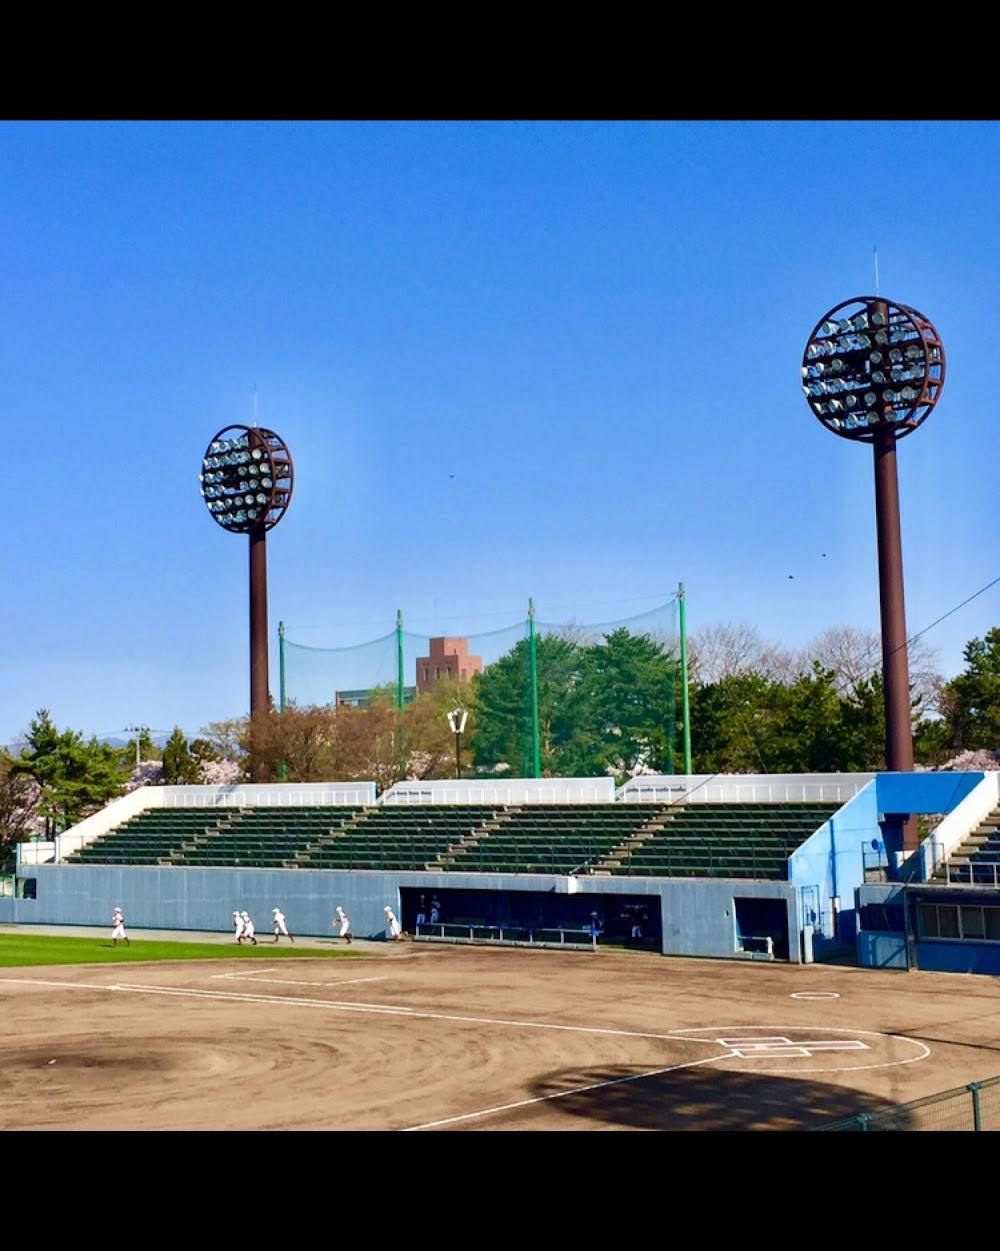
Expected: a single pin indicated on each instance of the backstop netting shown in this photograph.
(403, 662)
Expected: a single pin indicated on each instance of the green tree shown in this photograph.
(178, 767)
(972, 700)
(502, 730)
(618, 714)
(75, 777)
(19, 795)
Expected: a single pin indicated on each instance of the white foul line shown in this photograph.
(297, 981)
(562, 1094)
(355, 1006)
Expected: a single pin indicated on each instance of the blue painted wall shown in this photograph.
(881, 951)
(831, 860)
(924, 792)
(940, 956)
(697, 915)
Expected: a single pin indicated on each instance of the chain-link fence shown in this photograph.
(975, 1106)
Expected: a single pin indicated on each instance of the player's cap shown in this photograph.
(274, 909)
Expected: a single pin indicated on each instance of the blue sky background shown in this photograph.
(596, 328)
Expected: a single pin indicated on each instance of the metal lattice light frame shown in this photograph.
(247, 479)
(871, 364)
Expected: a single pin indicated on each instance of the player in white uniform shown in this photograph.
(118, 928)
(344, 921)
(248, 929)
(279, 924)
(238, 926)
(392, 925)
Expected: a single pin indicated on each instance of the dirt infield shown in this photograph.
(459, 1038)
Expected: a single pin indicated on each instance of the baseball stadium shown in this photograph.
(562, 874)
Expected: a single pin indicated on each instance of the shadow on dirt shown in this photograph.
(701, 1099)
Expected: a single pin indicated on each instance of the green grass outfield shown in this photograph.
(17, 950)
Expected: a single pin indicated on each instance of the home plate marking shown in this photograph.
(804, 1048)
(814, 994)
(754, 1048)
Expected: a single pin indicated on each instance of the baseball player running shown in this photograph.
(279, 925)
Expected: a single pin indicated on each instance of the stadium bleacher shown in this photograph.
(977, 859)
(738, 840)
(723, 840)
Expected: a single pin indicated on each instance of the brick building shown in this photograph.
(449, 658)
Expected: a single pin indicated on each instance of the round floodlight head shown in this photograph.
(888, 359)
(224, 466)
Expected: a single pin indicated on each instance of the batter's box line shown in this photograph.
(779, 1046)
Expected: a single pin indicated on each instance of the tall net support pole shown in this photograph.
(685, 710)
(400, 693)
(671, 715)
(282, 691)
(400, 683)
(536, 738)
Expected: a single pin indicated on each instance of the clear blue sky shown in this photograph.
(595, 328)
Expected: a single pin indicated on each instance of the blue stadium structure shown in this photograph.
(792, 867)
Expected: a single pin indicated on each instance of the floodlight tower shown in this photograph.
(246, 480)
(872, 371)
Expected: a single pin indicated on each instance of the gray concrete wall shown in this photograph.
(697, 914)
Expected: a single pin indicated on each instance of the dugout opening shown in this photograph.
(628, 921)
(759, 919)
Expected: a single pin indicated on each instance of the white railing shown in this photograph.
(765, 948)
(709, 788)
(248, 795)
(511, 791)
(508, 935)
(974, 873)
(37, 852)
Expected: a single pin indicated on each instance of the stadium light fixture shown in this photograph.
(457, 719)
(247, 478)
(872, 371)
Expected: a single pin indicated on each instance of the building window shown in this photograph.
(972, 923)
(968, 922)
(427, 673)
(927, 918)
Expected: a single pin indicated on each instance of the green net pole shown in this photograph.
(281, 666)
(536, 738)
(399, 659)
(400, 686)
(686, 720)
(282, 767)
(671, 715)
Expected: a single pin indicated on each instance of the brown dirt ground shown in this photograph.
(455, 1032)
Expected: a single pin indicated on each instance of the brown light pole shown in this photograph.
(872, 372)
(246, 480)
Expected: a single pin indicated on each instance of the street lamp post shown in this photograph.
(138, 731)
(457, 719)
(246, 481)
(872, 371)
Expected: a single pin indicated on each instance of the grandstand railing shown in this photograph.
(710, 788)
(972, 1107)
(268, 797)
(975, 873)
(508, 935)
(505, 793)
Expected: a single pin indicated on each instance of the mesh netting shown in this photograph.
(316, 675)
